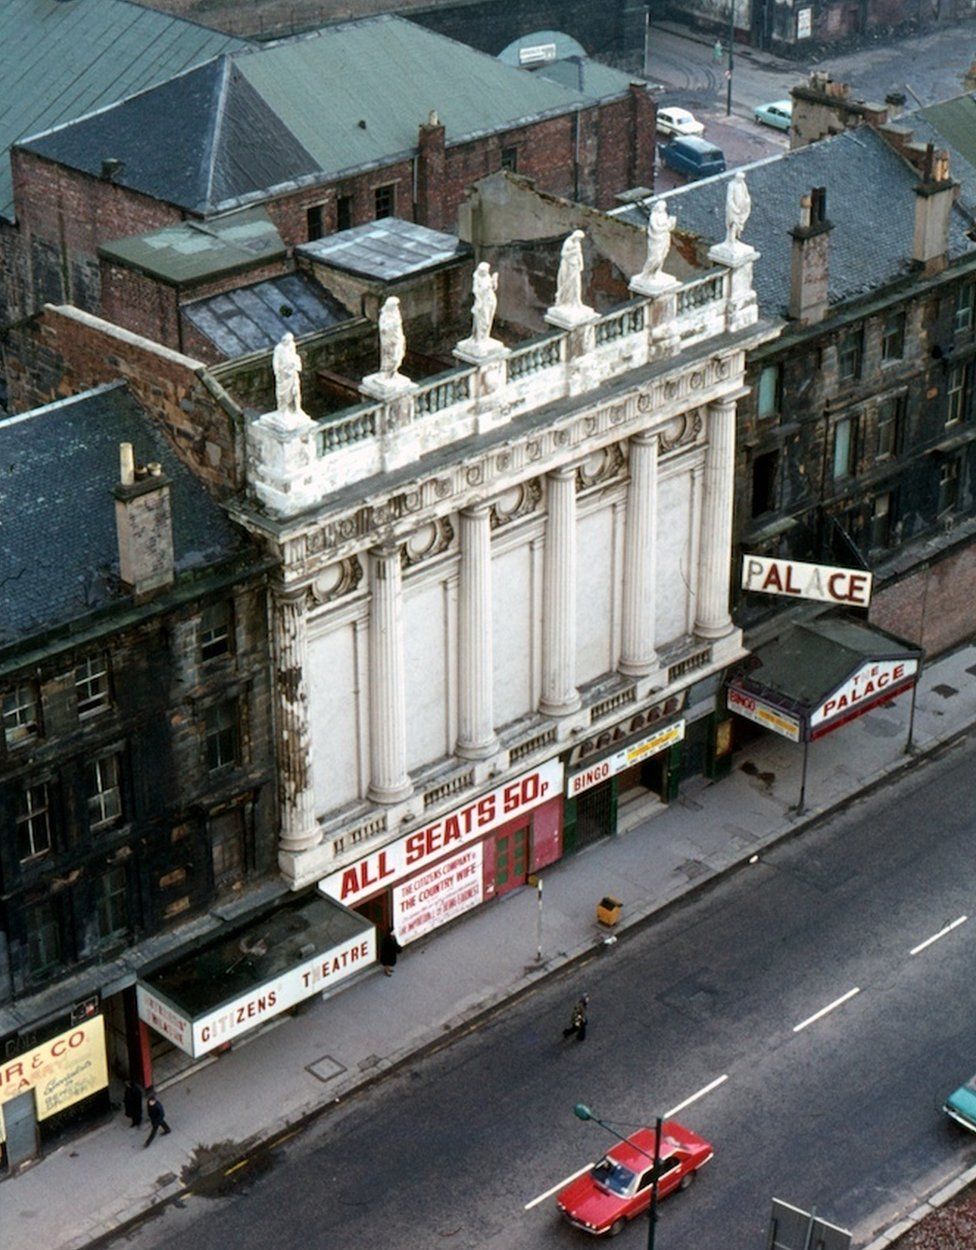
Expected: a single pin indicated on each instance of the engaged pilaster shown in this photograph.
(559, 693)
(293, 741)
(637, 654)
(715, 553)
(476, 730)
(389, 780)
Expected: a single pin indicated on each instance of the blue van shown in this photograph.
(692, 156)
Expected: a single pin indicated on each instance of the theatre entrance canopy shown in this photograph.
(221, 987)
(816, 677)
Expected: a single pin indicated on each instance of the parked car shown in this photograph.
(779, 115)
(961, 1105)
(693, 156)
(675, 121)
(618, 1188)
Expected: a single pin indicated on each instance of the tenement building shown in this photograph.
(137, 808)
(502, 599)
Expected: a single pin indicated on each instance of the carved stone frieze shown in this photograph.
(519, 501)
(681, 432)
(602, 466)
(336, 580)
(427, 541)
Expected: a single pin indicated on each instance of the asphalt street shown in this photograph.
(786, 1004)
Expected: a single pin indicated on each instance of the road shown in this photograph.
(841, 1113)
(925, 68)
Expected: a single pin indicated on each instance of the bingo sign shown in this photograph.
(762, 713)
(603, 770)
(434, 897)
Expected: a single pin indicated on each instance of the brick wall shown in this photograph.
(63, 351)
(63, 215)
(932, 606)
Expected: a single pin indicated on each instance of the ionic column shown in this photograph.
(476, 729)
(559, 693)
(293, 740)
(637, 654)
(713, 618)
(389, 780)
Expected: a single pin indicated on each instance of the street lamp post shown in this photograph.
(582, 1112)
(728, 72)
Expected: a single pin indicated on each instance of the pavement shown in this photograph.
(104, 1181)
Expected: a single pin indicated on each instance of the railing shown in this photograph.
(352, 426)
(535, 356)
(702, 291)
(454, 785)
(449, 388)
(544, 739)
(629, 320)
(698, 660)
(610, 704)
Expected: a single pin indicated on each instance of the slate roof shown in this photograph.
(251, 318)
(387, 249)
(62, 60)
(304, 110)
(870, 201)
(58, 547)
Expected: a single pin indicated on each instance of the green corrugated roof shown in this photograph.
(390, 74)
(955, 120)
(188, 252)
(64, 58)
(301, 111)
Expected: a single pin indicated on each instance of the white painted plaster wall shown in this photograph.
(428, 646)
(596, 572)
(511, 614)
(676, 556)
(337, 753)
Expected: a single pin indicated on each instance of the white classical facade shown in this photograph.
(494, 579)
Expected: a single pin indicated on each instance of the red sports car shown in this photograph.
(602, 1200)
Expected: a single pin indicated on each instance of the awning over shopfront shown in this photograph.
(818, 676)
(213, 991)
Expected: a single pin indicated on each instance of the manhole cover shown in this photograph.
(325, 1068)
(945, 691)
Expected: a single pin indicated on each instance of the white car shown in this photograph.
(675, 121)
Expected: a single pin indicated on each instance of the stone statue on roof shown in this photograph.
(569, 280)
(393, 345)
(484, 286)
(738, 206)
(287, 366)
(659, 227)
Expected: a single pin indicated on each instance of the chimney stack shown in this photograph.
(934, 197)
(144, 523)
(810, 270)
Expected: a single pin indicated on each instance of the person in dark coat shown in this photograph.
(389, 949)
(577, 1022)
(157, 1118)
(132, 1103)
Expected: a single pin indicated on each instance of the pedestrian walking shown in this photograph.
(577, 1022)
(132, 1103)
(389, 949)
(157, 1118)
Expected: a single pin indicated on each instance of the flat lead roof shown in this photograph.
(386, 249)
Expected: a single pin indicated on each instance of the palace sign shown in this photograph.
(850, 587)
(875, 682)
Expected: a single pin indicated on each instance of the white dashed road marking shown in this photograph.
(935, 936)
(823, 1010)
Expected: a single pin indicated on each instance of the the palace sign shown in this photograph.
(771, 576)
(873, 683)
